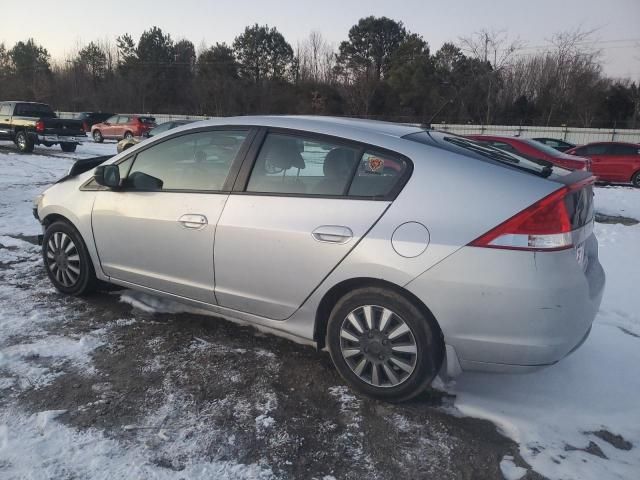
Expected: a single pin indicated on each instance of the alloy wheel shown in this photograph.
(63, 259)
(378, 346)
(22, 141)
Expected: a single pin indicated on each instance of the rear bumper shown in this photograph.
(54, 138)
(510, 311)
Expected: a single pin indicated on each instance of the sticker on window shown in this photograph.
(375, 165)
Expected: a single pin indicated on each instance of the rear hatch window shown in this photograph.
(484, 151)
(148, 120)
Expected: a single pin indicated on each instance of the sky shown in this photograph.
(66, 26)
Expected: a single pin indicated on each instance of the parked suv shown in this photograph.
(122, 126)
(403, 251)
(612, 161)
(89, 119)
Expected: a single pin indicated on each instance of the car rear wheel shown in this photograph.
(67, 260)
(24, 142)
(97, 136)
(128, 135)
(636, 179)
(383, 345)
(68, 147)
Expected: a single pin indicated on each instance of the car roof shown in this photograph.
(341, 126)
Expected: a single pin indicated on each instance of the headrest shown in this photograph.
(283, 153)
(338, 162)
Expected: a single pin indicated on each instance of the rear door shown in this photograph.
(295, 213)
(624, 161)
(120, 127)
(158, 230)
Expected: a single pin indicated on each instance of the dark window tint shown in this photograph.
(292, 164)
(147, 120)
(198, 161)
(377, 175)
(503, 146)
(597, 149)
(625, 149)
(161, 128)
(33, 110)
(580, 151)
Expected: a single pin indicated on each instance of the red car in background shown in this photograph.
(612, 161)
(535, 150)
(122, 126)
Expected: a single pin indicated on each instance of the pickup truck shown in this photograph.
(28, 124)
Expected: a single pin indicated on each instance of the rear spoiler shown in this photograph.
(84, 165)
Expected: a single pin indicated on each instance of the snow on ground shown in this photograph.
(579, 419)
(621, 201)
(17, 185)
(566, 417)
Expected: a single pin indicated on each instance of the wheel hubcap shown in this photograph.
(378, 346)
(21, 141)
(63, 259)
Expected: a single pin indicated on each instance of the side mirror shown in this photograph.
(108, 176)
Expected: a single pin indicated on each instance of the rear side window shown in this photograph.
(291, 164)
(33, 110)
(377, 175)
(198, 161)
(598, 149)
(625, 150)
(123, 119)
(5, 109)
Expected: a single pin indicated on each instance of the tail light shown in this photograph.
(85, 127)
(39, 126)
(544, 226)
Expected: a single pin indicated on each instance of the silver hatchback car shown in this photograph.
(406, 252)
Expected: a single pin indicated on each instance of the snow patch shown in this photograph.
(510, 470)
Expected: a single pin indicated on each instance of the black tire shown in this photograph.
(424, 333)
(636, 179)
(68, 147)
(128, 135)
(54, 244)
(24, 142)
(97, 136)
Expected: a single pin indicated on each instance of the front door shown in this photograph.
(307, 203)
(5, 120)
(158, 230)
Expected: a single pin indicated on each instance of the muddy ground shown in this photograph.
(197, 388)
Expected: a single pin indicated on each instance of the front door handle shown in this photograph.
(332, 234)
(193, 221)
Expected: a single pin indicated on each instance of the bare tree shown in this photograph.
(495, 48)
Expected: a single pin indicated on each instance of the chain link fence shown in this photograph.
(576, 135)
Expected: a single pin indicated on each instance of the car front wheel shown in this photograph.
(67, 260)
(97, 136)
(383, 345)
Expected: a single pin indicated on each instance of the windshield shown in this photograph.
(39, 110)
(467, 146)
(541, 146)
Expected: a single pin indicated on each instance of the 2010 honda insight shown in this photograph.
(404, 251)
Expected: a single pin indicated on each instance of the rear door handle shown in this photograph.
(332, 234)
(193, 221)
